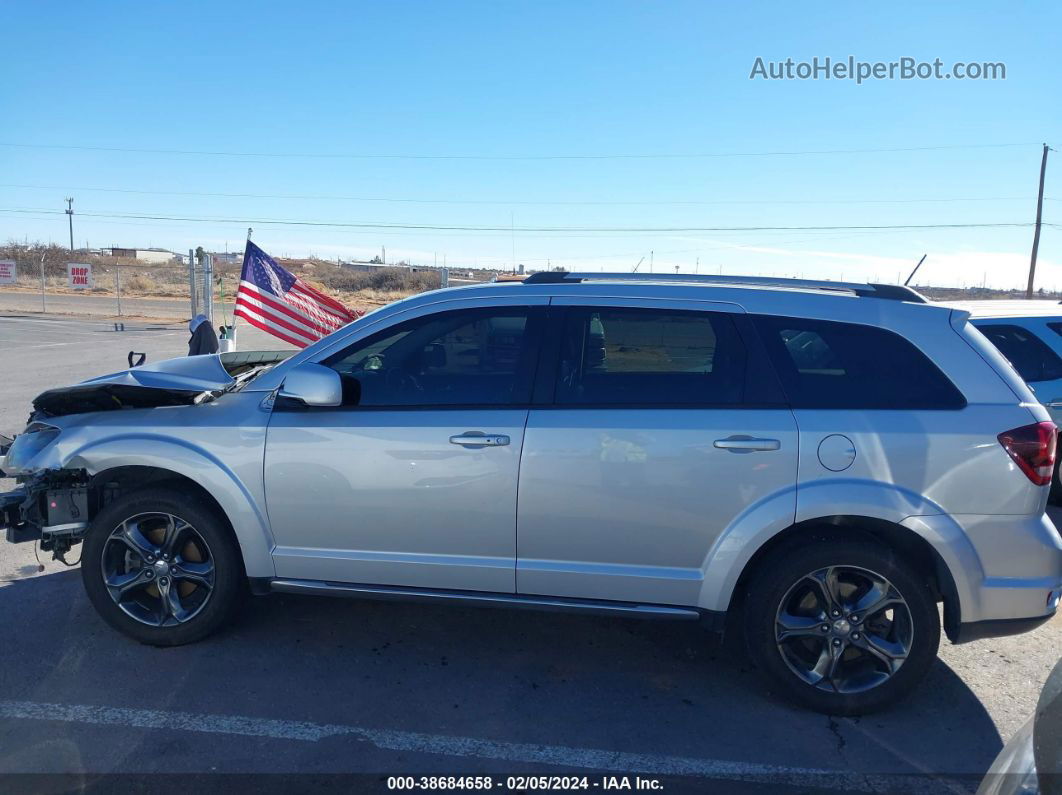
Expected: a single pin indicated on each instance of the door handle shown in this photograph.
(747, 444)
(479, 439)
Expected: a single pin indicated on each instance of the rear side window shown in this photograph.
(1029, 355)
(619, 356)
(829, 365)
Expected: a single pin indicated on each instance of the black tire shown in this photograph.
(203, 609)
(783, 616)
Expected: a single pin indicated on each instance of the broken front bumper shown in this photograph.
(17, 529)
(50, 507)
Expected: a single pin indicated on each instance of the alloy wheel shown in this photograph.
(843, 629)
(158, 569)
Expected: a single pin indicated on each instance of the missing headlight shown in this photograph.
(27, 446)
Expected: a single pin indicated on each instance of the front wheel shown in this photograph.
(843, 627)
(162, 567)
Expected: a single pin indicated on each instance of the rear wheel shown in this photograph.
(841, 626)
(162, 567)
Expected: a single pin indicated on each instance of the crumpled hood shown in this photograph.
(170, 382)
(187, 373)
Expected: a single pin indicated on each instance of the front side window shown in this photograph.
(479, 357)
(1028, 354)
(620, 356)
(830, 365)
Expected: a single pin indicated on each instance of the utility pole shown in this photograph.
(651, 261)
(1039, 217)
(44, 307)
(191, 278)
(70, 217)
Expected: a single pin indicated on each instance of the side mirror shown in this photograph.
(313, 385)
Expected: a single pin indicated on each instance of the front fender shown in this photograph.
(234, 483)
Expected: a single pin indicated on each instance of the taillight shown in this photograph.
(1033, 449)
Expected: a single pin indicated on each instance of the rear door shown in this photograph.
(654, 427)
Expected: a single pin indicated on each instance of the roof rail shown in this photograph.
(892, 292)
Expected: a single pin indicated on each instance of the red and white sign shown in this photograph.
(8, 271)
(78, 275)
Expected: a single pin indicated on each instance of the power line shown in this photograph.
(805, 237)
(388, 156)
(506, 202)
(479, 228)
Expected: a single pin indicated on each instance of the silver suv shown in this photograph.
(822, 462)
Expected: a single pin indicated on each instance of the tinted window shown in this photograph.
(467, 357)
(1030, 356)
(823, 364)
(648, 356)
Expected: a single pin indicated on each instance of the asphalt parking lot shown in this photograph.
(329, 686)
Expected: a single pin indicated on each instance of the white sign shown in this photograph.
(8, 271)
(78, 275)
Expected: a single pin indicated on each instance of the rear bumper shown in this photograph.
(997, 628)
(999, 574)
(1020, 582)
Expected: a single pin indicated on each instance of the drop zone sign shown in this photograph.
(78, 276)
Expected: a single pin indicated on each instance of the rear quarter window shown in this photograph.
(831, 365)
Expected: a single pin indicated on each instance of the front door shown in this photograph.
(658, 439)
(414, 482)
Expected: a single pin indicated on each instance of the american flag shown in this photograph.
(274, 300)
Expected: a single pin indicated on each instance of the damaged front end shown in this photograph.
(53, 504)
(172, 382)
(49, 505)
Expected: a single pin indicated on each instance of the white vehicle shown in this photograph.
(824, 462)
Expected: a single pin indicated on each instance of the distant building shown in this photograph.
(360, 265)
(227, 257)
(150, 255)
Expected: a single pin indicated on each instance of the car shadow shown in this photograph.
(664, 688)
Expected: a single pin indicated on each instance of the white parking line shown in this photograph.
(55, 323)
(417, 742)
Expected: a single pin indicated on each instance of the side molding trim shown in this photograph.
(484, 599)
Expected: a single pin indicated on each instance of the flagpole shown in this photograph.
(250, 231)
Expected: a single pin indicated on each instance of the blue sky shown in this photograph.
(323, 82)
